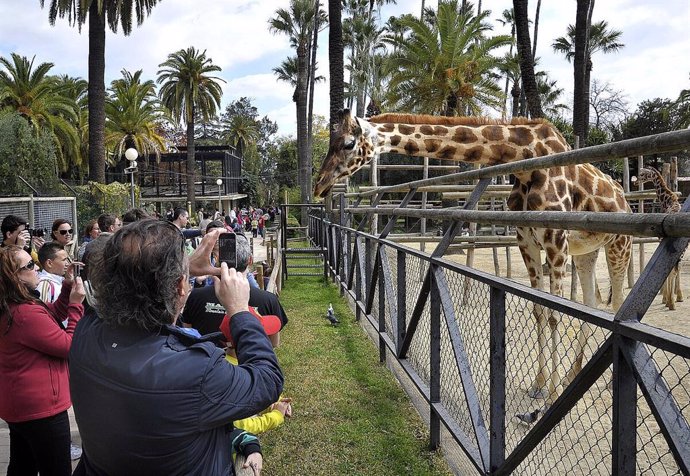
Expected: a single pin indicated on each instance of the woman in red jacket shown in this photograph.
(34, 395)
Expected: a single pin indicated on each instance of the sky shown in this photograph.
(654, 63)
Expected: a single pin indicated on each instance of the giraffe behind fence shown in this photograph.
(669, 204)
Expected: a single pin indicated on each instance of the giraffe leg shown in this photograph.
(679, 290)
(664, 290)
(668, 289)
(618, 253)
(586, 265)
(531, 255)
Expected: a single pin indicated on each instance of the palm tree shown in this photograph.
(336, 66)
(76, 89)
(132, 114)
(454, 54)
(99, 12)
(242, 131)
(524, 47)
(600, 39)
(38, 98)
(187, 90)
(298, 24)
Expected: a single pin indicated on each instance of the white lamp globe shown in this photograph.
(131, 154)
(219, 182)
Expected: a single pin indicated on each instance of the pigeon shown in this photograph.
(331, 316)
(528, 418)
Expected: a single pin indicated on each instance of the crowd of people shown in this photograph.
(175, 348)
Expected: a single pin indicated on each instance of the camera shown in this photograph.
(36, 232)
(227, 249)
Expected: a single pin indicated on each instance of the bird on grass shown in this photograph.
(330, 315)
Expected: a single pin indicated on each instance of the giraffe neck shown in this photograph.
(488, 144)
(667, 198)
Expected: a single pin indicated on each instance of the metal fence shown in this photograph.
(467, 341)
(41, 212)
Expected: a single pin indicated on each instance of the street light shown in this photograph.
(219, 182)
(131, 155)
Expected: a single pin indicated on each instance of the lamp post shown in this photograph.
(219, 182)
(131, 155)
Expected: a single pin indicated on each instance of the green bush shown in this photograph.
(96, 198)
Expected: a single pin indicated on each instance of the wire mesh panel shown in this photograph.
(46, 212)
(545, 349)
(16, 207)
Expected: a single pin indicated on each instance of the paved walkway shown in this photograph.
(259, 256)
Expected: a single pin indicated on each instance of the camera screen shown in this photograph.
(227, 249)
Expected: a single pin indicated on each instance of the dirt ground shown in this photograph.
(676, 321)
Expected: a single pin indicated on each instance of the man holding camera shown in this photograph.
(15, 231)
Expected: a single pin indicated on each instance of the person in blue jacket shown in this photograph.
(148, 398)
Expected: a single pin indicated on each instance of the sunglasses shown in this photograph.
(66, 232)
(28, 267)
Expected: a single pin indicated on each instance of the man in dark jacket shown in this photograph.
(148, 398)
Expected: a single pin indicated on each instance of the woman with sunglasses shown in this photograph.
(33, 365)
(62, 232)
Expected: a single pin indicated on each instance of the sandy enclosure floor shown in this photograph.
(676, 321)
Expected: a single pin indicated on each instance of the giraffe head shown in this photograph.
(648, 175)
(352, 148)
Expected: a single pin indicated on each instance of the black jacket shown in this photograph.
(163, 403)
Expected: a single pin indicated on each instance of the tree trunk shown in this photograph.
(536, 29)
(524, 45)
(96, 94)
(505, 92)
(516, 92)
(191, 166)
(335, 61)
(580, 100)
(302, 139)
(312, 82)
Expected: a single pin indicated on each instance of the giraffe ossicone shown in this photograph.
(565, 188)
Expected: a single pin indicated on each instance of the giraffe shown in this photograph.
(669, 204)
(568, 188)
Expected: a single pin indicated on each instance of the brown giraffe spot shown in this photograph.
(494, 133)
(559, 260)
(502, 153)
(515, 202)
(543, 131)
(603, 190)
(555, 145)
(387, 127)
(607, 206)
(464, 135)
(577, 199)
(534, 201)
(440, 131)
(432, 145)
(395, 140)
(447, 152)
(620, 201)
(567, 205)
(537, 179)
(520, 136)
(551, 253)
(561, 187)
(474, 154)
(417, 135)
(411, 147)
(548, 235)
(540, 149)
(527, 153)
(426, 130)
(406, 130)
(532, 271)
(559, 241)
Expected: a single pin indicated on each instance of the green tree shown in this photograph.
(38, 98)
(297, 23)
(28, 153)
(99, 13)
(132, 110)
(76, 89)
(599, 38)
(188, 89)
(455, 56)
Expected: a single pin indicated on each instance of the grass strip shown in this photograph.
(350, 415)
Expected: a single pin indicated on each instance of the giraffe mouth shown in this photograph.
(321, 189)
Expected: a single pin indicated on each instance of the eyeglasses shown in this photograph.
(28, 267)
(66, 232)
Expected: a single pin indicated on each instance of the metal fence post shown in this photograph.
(624, 430)
(402, 302)
(434, 363)
(382, 305)
(497, 377)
